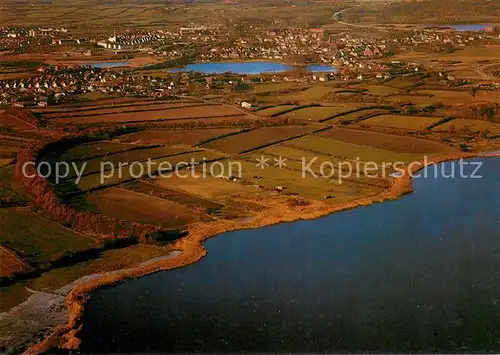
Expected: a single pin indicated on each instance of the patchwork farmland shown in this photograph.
(322, 127)
(150, 114)
(401, 122)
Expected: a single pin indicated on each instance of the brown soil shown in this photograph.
(179, 113)
(10, 262)
(403, 144)
(278, 210)
(8, 120)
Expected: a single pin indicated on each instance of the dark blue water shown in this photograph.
(109, 64)
(474, 27)
(420, 274)
(255, 67)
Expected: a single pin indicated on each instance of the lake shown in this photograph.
(419, 274)
(108, 64)
(255, 67)
(475, 27)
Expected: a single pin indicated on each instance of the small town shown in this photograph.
(249, 176)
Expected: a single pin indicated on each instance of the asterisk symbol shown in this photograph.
(262, 162)
(280, 162)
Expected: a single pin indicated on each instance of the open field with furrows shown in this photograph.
(350, 169)
(129, 173)
(257, 138)
(109, 104)
(129, 157)
(36, 239)
(321, 164)
(99, 148)
(271, 87)
(128, 205)
(386, 141)
(309, 95)
(293, 182)
(90, 16)
(188, 137)
(139, 109)
(470, 126)
(210, 188)
(488, 95)
(7, 120)
(446, 97)
(4, 162)
(183, 198)
(9, 148)
(350, 151)
(356, 115)
(379, 90)
(102, 103)
(401, 122)
(168, 114)
(10, 262)
(276, 110)
(9, 189)
(474, 54)
(417, 99)
(315, 113)
(446, 94)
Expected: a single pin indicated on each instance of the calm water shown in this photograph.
(109, 64)
(418, 274)
(256, 67)
(475, 27)
(322, 68)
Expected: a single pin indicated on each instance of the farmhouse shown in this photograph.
(246, 105)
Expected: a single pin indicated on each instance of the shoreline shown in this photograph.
(191, 249)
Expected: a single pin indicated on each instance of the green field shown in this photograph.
(385, 141)
(8, 188)
(257, 138)
(137, 207)
(138, 155)
(380, 90)
(130, 172)
(274, 110)
(470, 126)
(354, 116)
(401, 122)
(173, 195)
(270, 87)
(350, 151)
(309, 186)
(210, 188)
(98, 148)
(311, 95)
(185, 137)
(315, 113)
(37, 239)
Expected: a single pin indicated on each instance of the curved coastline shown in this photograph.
(191, 249)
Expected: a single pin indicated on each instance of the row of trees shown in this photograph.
(46, 202)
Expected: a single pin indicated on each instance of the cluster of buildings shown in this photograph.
(438, 40)
(278, 44)
(58, 84)
(18, 37)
